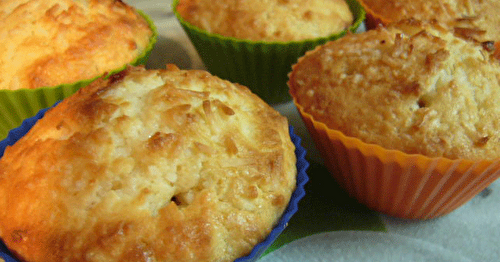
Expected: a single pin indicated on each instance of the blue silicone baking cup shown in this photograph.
(302, 178)
(293, 205)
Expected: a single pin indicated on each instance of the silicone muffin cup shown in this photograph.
(373, 19)
(392, 182)
(299, 192)
(261, 66)
(16, 105)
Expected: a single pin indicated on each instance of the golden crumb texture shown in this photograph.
(51, 42)
(477, 19)
(163, 165)
(268, 20)
(411, 86)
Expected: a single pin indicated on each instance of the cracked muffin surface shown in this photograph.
(148, 165)
(52, 42)
(412, 86)
(475, 19)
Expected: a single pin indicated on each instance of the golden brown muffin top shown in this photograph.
(411, 86)
(52, 42)
(268, 20)
(474, 18)
(164, 165)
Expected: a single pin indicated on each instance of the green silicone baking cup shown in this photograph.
(16, 105)
(261, 66)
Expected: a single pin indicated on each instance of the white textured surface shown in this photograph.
(472, 231)
(362, 246)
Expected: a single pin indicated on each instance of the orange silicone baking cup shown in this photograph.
(372, 18)
(392, 182)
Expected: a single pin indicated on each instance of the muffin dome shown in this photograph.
(164, 165)
(53, 42)
(268, 20)
(471, 18)
(411, 86)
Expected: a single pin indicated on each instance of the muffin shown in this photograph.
(59, 46)
(475, 19)
(405, 116)
(256, 44)
(160, 165)
(268, 20)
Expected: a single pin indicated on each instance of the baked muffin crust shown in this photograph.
(476, 19)
(411, 86)
(164, 165)
(268, 20)
(53, 42)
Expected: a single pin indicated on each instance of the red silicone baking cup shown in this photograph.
(402, 185)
